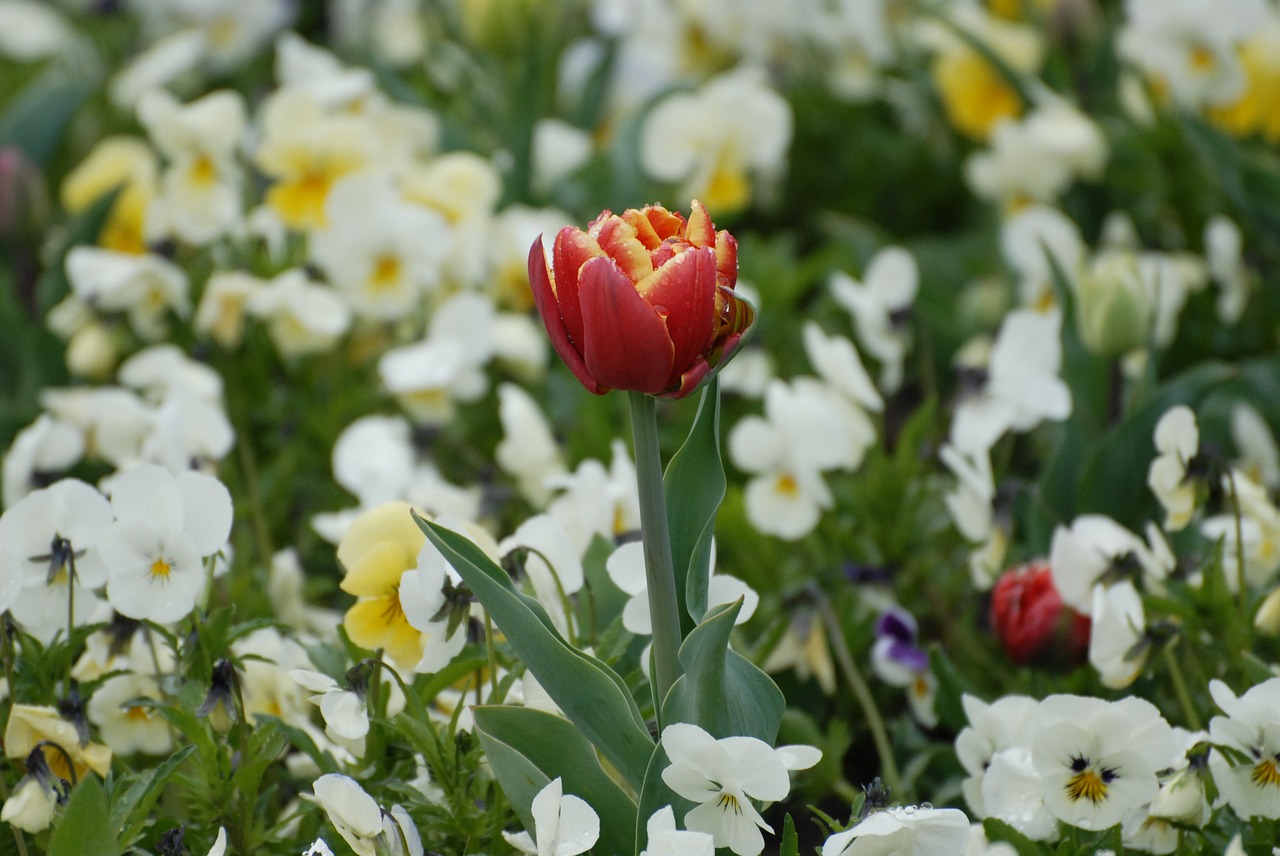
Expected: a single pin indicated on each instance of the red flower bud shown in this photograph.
(642, 301)
(1031, 621)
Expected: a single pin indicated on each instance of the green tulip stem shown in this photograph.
(664, 609)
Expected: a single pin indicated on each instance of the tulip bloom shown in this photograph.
(643, 301)
(1033, 623)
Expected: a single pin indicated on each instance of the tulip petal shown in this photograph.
(570, 252)
(654, 224)
(553, 320)
(627, 345)
(726, 259)
(683, 291)
(618, 239)
(701, 232)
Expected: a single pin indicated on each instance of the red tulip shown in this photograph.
(1032, 623)
(643, 301)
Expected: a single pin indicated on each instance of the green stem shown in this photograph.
(664, 609)
(862, 692)
(1180, 689)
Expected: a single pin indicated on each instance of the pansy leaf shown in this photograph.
(998, 830)
(516, 739)
(85, 828)
(591, 695)
(131, 806)
(721, 691)
(694, 485)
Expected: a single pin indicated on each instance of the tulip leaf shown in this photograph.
(721, 691)
(694, 484)
(591, 695)
(655, 794)
(516, 739)
(85, 828)
(36, 120)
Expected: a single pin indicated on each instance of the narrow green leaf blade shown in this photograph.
(721, 691)
(556, 749)
(694, 484)
(591, 695)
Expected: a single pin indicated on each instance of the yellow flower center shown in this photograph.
(787, 485)
(202, 172)
(137, 714)
(1265, 773)
(729, 802)
(1201, 59)
(386, 273)
(1087, 784)
(161, 568)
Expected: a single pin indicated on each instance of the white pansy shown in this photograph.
(1119, 625)
(595, 500)
(31, 31)
(302, 316)
(528, 449)
(1177, 441)
(559, 149)
(1257, 454)
(837, 362)
(1037, 156)
(1022, 387)
(1094, 545)
(887, 290)
(429, 377)
(664, 839)
(723, 777)
(1251, 536)
(1191, 49)
(626, 569)
(49, 556)
(354, 813)
(429, 595)
(345, 717)
(1223, 252)
(47, 445)
(381, 253)
(125, 726)
(1098, 759)
(144, 287)
(1033, 241)
(165, 525)
(553, 564)
(564, 824)
(904, 831)
(374, 459)
(200, 190)
(715, 141)
(159, 64)
(1251, 726)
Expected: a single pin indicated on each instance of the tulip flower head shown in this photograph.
(643, 301)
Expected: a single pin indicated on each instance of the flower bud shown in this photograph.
(24, 199)
(1113, 307)
(1031, 621)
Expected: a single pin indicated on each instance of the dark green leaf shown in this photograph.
(36, 119)
(591, 695)
(556, 749)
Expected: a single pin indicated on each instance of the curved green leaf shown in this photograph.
(591, 695)
(721, 691)
(516, 738)
(694, 484)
